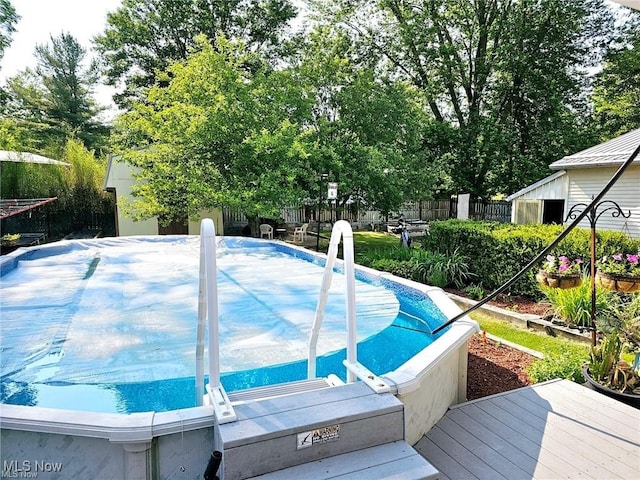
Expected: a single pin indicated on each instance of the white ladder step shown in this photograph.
(396, 460)
(282, 389)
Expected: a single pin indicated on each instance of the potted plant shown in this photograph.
(10, 239)
(560, 272)
(614, 366)
(619, 272)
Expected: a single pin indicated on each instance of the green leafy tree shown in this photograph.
(53, 101)
(215, 134)
(8, 19)
(144, 37)
(504, 78)
(616, 95)
(367, 128)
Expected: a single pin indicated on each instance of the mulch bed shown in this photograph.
(495, 368)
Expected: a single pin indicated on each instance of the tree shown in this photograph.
(616, 95)
(366, 128)
(505, 77)
(212, 134)
(53, 101)
(144, 37)
(8, 19)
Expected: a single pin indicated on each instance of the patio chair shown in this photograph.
(266, 229)
(300, 232)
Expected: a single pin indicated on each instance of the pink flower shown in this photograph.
(632, 258)
(617, 257)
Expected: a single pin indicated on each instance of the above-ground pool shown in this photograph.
(109, 325)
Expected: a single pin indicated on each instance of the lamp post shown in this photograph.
(324, 176)
(593, 217)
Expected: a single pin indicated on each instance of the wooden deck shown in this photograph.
(552, 430)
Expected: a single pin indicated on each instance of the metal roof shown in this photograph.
(611, 153)
(533, 186)
(27, 157)
(9, 208)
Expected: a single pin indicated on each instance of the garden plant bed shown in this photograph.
(514, 303)
(495, 368)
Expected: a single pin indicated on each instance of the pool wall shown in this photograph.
(178, 444)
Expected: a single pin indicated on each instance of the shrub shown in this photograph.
(401, 268)
(566, 365)
(442, 269)
(475, 292)
(495, 252)
(573, 305)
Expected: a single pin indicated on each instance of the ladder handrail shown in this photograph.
(208, 310)
(342, 229)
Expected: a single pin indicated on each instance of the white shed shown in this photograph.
(119, 180)
(579, 178)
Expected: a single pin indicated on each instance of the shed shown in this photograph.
(119, 180)
(580, 177)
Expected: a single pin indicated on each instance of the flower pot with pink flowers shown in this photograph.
(560, 272)
(619, 272)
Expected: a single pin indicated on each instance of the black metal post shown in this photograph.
(318, 218)
(322, 177)
(593, 217)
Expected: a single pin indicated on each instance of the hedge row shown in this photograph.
(495, 252)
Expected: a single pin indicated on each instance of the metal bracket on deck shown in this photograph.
(222, 408)
(374, 382)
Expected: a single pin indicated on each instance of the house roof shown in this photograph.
(8, 208)
(26, 157)
(611, 153)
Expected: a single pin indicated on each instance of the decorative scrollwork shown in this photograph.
(594, 215)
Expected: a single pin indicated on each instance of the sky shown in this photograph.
(42, 18)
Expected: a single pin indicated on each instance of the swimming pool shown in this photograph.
(110, 325)
(153, 442)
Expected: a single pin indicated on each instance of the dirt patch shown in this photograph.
(495, 368)
(515, 303)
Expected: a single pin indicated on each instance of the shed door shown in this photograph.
(528, 211)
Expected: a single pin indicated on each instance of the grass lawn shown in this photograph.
(538, 341)
(363, 241)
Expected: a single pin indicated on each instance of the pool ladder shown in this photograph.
(355, 370)
(208, 315)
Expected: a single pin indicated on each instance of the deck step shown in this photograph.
(279, 390)
(281, 432)
(395, 460)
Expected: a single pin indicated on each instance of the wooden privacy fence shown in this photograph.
(426, 210)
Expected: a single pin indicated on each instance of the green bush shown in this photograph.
(401, 268)
(443, 269)
(573, 305)
(566, 365)
(496, 252)
(475, 292)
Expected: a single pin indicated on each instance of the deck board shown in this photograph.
(557, 429)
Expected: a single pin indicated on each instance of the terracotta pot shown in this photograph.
(618, 283)
(558, 280)
(628, 398)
